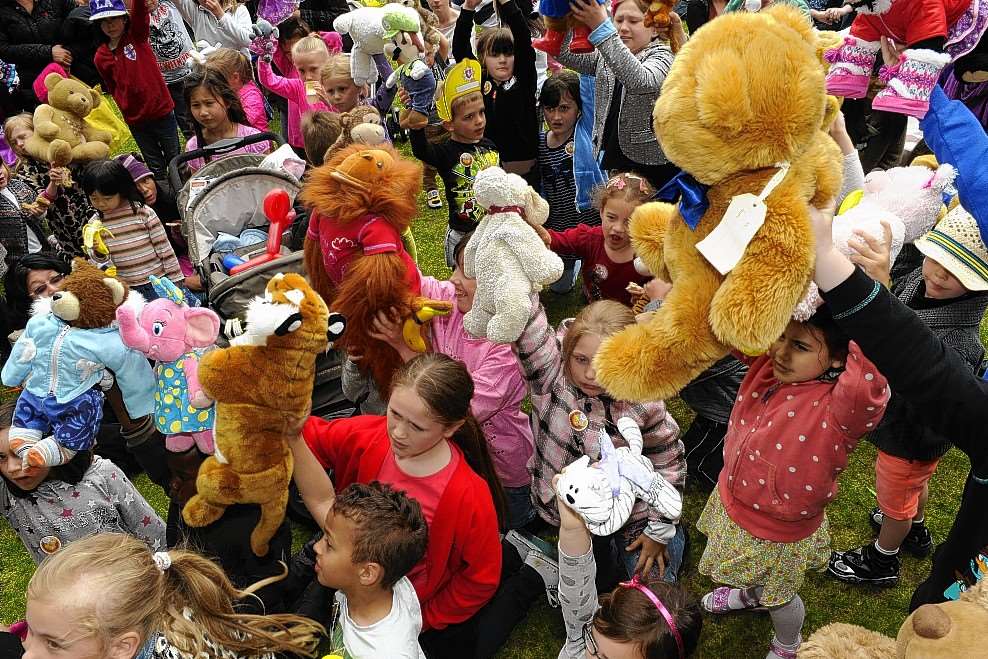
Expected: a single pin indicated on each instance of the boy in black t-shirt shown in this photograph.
(460, 105)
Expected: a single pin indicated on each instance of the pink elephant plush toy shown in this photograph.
(175, 335)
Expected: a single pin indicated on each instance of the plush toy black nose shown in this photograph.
(570, 500)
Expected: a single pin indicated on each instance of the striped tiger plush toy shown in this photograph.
(604, 493)
(262, 385)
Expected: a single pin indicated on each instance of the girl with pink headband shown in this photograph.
(637, 620)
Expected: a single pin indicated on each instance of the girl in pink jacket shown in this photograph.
(499, 386)
(800, 412)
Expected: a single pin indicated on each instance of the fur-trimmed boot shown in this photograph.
(910, 82)
(851, 66)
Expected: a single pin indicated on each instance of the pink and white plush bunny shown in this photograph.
(908, 198)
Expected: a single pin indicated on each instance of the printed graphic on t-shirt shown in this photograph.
(166, 41)
(464, 171)
(130, 53)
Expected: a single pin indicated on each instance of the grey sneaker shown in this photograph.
(548, 569)
(524, 542)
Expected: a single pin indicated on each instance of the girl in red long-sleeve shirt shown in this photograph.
(800, 412)
(131, 75)
(430, 446)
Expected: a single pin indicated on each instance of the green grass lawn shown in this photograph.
(738, 637)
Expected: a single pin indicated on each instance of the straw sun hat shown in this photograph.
(955, 243)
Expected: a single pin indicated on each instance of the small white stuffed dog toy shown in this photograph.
(506, 256)
(603, 494)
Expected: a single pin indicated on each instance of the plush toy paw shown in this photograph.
(198, 512)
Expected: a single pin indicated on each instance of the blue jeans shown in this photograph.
(520, 509)
(621, 562)
(571, 271)
(158, 141)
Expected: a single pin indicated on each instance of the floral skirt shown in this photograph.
(735, 557)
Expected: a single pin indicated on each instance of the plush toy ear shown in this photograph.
(51, 80)
(722, 95)
(97, 99)
(201, 327)
(537, 208)
(116, 288)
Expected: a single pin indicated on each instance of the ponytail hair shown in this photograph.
(445, 385)
(116, 585)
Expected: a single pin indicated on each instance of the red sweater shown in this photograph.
(786, 445)
(910, 21)
(463, 558)
(130, 72)
(603, 279)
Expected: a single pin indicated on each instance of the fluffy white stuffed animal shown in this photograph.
(506, 255)
(366, 26)
(908, 198)
(603, 494)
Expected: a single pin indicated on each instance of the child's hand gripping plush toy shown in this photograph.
(933, 31)
(252, 464)
(506, 256)
(735, 88)
(366, 27)
(557, 18)
(909, 199)
(415, 76)
(60, 360)
(604, 493)
(175, 335)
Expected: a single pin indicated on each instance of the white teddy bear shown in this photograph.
(366, 26)
(908, 198)
(506, 256)
(604, 494)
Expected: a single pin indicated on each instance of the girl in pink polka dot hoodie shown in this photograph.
(800, 412)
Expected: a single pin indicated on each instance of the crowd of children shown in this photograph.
(431, 507)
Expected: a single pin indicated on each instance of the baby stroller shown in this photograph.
(226, 196)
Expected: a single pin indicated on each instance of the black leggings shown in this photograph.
(482, 635)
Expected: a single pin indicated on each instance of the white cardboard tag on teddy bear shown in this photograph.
(724, 246)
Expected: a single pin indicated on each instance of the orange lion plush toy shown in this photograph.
(362, 199)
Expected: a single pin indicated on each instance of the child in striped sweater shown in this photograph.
(571, 409)
(137, 240)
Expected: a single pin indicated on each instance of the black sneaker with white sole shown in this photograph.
(919, 542)
(864, 565)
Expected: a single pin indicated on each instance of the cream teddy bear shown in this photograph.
(506, 255)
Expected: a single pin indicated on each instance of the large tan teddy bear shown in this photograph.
(952, 630)
(60, 134)
(744, 95)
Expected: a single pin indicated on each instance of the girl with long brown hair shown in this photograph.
(430, 446)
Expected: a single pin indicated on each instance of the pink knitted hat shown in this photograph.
(39, 83)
